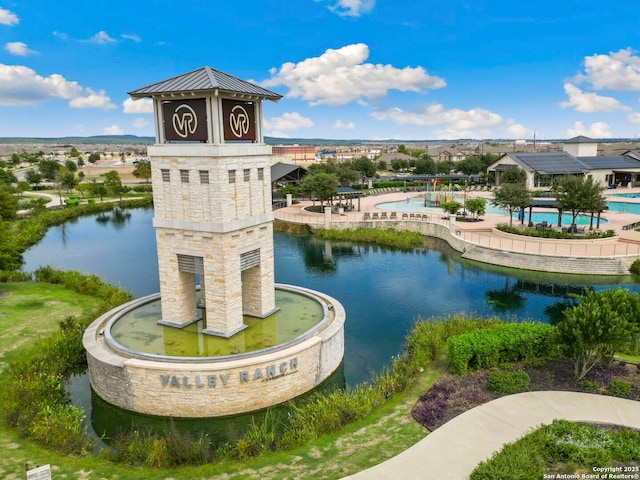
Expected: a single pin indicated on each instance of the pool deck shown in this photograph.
(625, 243)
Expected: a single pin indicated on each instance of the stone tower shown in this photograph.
(212, 199)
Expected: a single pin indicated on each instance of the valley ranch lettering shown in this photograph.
(264, 374)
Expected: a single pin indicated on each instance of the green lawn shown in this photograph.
(30, 310)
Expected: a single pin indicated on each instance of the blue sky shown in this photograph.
(368, 69)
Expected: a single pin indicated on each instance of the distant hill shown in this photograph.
(135, 140)
(94, 140)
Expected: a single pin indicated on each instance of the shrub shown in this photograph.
(590, 385)
(508, 382)
(635, 267)
(501, 344)
(620, 388)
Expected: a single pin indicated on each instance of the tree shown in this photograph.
(444, 167)
(98, 190)
(578, 194)
(514, 174)
(398, 164)
(365, 167)
(592, 331)
(451, 207)
(66, 179)
(382, 165)
(22, 187)
(143, 170)
(93, 157)
(7, 177)
(511, 196)
(48, 169)
(425, 165)
(346, 174)
(476, 206)
(71, 166)
(74, 152)
(15, 159)
(321, 185)
(113, 183)
(471, 165)
(8, 204)
(33, 177)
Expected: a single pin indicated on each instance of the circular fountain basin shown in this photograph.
(141, 366)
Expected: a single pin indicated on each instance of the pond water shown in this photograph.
(383, 290)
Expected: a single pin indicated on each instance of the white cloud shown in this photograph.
(18, 48)
(634, 117)
(590, 102)
(144, 105)
(596, 130)
(61, 35)
(20, 86)
(455, 123)
(616, 71)
(102, 38)
(346, 126)
(140, 123)
(133, 38)
(352, 8)
(279, 126)
(340, 76)
(7, 17)
(93, 100)
(518, 131)
(112, 130)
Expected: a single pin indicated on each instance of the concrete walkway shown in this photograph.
(455, 449)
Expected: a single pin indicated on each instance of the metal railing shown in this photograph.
(559, 248)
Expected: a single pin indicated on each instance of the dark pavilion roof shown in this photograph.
(560, 163)
(286, 171)
(550, 163)
(618, 161)
(204, 80)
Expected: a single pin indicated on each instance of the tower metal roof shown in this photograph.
(202, 80)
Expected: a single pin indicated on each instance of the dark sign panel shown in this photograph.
(239, 120)
(185, 120)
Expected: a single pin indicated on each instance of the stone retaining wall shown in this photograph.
(214, 388)
(618, 265)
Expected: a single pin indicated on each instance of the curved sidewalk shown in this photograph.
(455, 449)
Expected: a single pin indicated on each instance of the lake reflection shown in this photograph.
(383, 290)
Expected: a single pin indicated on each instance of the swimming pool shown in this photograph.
(418, 205)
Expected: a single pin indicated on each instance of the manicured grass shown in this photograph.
(623, 357)
(32, 310)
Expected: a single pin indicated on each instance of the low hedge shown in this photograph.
(501, 344)
(508, 382)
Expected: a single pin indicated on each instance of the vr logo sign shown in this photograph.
(185, 120)
(239, 120)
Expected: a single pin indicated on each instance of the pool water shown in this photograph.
(419, 205)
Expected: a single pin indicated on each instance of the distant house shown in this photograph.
(544, 169)
(458, 156)
(444, 156)
(390, 157)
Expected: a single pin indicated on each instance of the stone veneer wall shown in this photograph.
(213, 388)
(213, 202)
